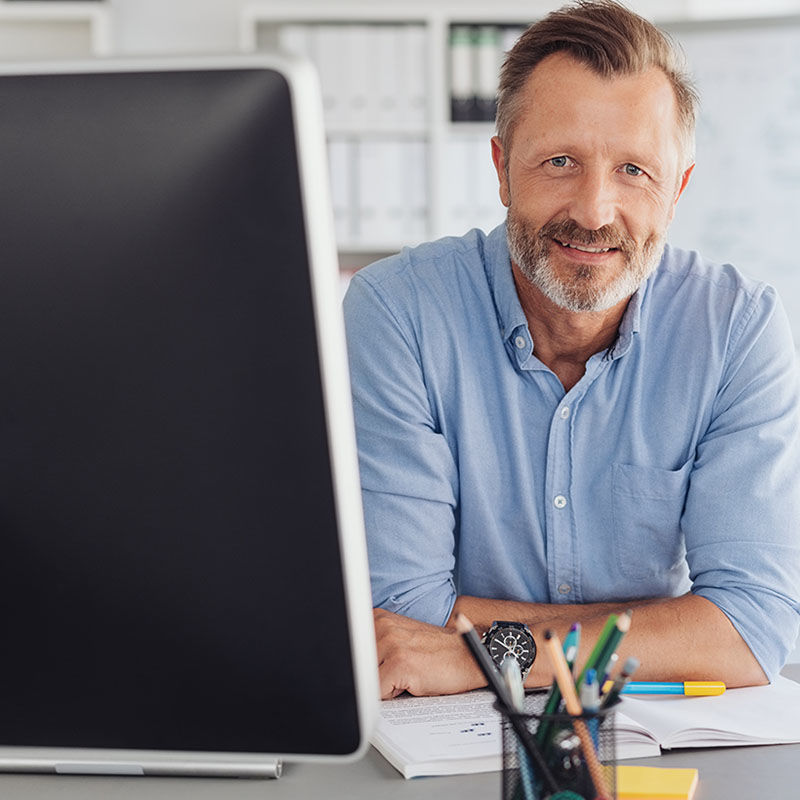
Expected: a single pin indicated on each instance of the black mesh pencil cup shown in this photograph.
(562, 758)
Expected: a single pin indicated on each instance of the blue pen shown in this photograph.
(571, 643)
(590, 700)
(695, 688)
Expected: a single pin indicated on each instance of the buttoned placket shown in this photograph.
(563, 557)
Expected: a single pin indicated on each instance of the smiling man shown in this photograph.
(567, 417)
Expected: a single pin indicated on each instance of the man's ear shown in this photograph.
(684, 180)
(681, 186)
(499, 159)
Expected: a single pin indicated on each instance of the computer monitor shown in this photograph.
(183, 573)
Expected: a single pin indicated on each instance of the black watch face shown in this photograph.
(507, 641)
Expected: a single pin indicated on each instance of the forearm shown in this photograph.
(682, 638)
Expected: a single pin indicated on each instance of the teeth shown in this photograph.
(585, 249)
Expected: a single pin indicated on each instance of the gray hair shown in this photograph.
(609, 39)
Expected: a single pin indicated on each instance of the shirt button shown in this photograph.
(564, 413)
(559, 501)
(564, 588)
(520, 342)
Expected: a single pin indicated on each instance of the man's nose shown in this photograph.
(595, 202)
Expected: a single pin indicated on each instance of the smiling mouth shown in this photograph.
(584, 248)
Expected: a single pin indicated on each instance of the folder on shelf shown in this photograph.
(340, 160)
(385, 75)
(462, 83)
(487, 60)
(359, 103)
(325, 50)
(414, 69)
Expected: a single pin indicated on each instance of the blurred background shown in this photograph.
(408, 90)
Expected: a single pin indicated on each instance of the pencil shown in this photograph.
(591, 661)
(571, 643)
(621, 627)
(496, 684)
(552, 647)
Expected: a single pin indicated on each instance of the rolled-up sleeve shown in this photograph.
(742, 514)
(408, 473)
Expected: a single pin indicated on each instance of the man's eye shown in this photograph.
(632, 169)
(558, 161)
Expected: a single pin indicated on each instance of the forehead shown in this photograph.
(565, 103)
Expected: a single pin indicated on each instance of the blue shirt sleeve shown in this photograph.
(742, 513)
(408, 473)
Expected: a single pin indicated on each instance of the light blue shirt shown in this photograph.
(672, 465)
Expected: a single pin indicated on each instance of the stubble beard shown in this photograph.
(583, 290)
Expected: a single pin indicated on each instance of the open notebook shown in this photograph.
(461, 733)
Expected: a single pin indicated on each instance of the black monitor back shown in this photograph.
(182, 559)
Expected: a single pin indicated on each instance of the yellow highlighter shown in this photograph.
(695, 688)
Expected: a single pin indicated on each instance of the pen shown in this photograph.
(694, 688)
(590, 695)
(613, 688)
(509, 669)
(590, 700)
(496, 684)
(566, 685)
(571, 644)
(513, 680)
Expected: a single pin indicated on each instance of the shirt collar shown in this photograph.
(510, 315)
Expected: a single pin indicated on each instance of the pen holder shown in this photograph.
(577, 755)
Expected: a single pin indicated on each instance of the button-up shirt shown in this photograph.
(672, 465)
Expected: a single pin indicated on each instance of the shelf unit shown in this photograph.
(53, 30)
(260, 27)
(445, 187)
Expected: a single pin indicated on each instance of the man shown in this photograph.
(567, 417)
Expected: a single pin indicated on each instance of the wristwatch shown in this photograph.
(511, 640)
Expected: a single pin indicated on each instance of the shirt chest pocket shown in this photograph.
(647, 505)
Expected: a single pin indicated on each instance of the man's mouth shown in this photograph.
(585, 248)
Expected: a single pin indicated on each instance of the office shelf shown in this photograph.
(53, 30)
(428, 176)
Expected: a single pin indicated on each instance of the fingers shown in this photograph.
(420, 658)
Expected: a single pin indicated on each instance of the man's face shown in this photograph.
(591, 179)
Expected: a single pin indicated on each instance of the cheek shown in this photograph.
(537, 202)
(647, 214)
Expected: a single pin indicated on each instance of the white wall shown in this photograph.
(175, 26)
(186, 26)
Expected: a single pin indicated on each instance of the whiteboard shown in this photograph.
(742, 205)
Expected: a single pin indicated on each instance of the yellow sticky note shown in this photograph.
(655, 783)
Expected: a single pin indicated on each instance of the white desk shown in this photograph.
(726, 773)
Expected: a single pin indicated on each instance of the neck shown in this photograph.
(565, 340)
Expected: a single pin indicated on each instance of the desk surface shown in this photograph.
(726, 773)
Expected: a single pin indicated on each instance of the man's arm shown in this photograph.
(682, 638)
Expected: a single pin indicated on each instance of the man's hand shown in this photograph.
(421, 659)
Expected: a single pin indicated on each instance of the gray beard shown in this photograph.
(530, 251)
